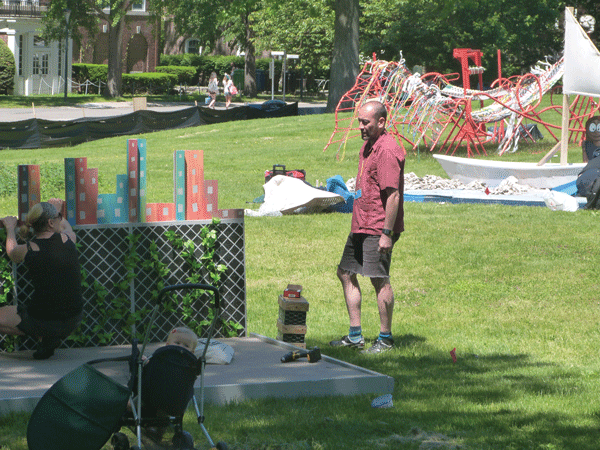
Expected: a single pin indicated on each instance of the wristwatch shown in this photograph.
(387, 232)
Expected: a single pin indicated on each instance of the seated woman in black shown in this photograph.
(55, 308)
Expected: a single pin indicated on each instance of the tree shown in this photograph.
(427, 32)
(344, 63)
(207, 20)
(592, 8)
(88, 14)
(299, 27)
(7, 69)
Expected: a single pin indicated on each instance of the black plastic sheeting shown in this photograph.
(38, 133)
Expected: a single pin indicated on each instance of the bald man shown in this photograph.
(377, 221)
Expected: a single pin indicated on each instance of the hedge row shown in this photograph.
(204, 65)
(192, 70)
(222, 64)
(155, 83)
(184, 74)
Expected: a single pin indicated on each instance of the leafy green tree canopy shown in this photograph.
(87, 14)
(299, 27)
(7, 69)
(427, 31)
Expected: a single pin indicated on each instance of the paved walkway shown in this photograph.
(111, 109)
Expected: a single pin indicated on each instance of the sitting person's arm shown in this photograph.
(65, 226)
(15, 252)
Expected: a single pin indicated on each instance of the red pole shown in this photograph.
(499, 67)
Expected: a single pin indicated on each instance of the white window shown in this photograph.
(41, 64)
(138, 5)
(60, 50)
(193, 46)
(45, 63)
(20, 50)
(36, 64)
(38, 42)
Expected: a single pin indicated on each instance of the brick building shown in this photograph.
(40, 65)
(140, 48)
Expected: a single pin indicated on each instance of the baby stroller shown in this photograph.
(86, 407)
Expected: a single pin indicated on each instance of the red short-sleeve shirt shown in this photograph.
(380, 168)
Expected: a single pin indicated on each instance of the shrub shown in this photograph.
(148, 83)
(204, 64)
(184, 74)
(93, 72)
(7, 69)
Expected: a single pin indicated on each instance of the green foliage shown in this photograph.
(207, 270)
(204, 65)
(197, 18)
(148, 83)
(7, 69)
(6, 277)
(122, 303)
(8, 180)
(158, 268)
(300, 27)
(185, 74)
(7, 284)
(52, 178)
(87, 15)
(427, 32)
(93, 72)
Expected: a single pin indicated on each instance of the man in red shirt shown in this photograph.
(377, 221)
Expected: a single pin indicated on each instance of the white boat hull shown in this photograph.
(492, 173)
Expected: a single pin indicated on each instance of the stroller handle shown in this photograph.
(175, 287)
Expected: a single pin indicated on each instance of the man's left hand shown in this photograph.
(385, 244)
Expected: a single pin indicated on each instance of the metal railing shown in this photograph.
(27, 8)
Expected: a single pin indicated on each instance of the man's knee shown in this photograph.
(380, 283)
(343, 274)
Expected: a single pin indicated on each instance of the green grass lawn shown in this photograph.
(513, 289)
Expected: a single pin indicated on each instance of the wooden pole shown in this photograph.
(564, 138)
(550, 154)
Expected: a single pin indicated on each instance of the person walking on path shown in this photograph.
(56, 306)
(213, 89)
(377, 221)
(227, 84)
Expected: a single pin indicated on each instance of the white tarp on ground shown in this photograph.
(288, 195)
(582, 60)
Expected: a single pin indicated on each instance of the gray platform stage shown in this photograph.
(255, 372)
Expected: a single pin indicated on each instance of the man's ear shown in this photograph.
(381, 123)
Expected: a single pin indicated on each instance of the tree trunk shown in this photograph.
(344, 65)
(115, 59)
(250, 59)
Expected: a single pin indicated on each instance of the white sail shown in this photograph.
(582, 60)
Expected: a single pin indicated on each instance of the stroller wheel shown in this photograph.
(120, 442)
(183, 441)
(221, 446)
